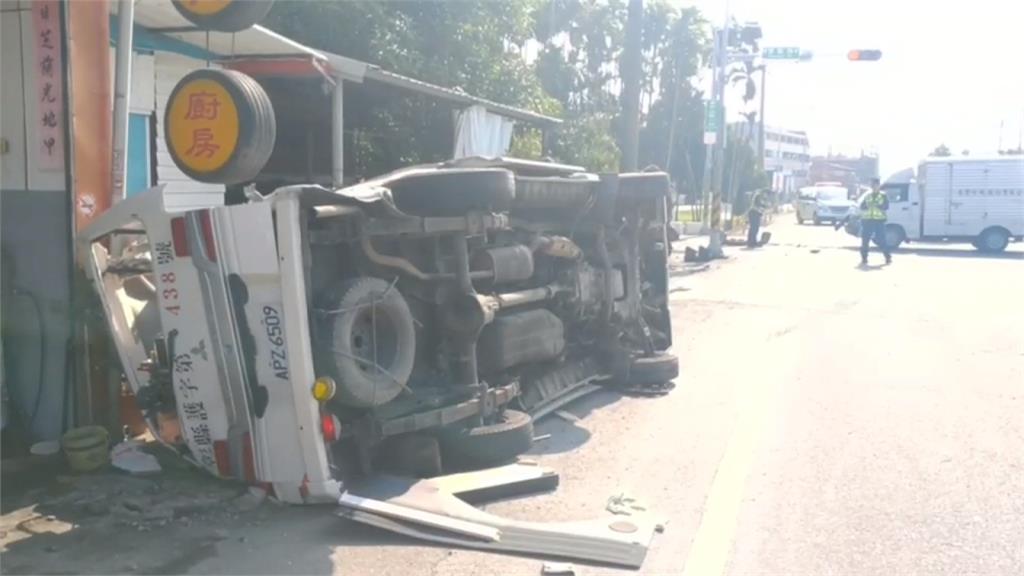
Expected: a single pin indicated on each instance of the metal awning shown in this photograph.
(259, 43)
(453, 95)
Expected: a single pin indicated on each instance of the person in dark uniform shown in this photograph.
(760, 203)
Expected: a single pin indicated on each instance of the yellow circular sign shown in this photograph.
(205, 7)
(202, 125)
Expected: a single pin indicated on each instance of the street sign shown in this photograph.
(781, 53)
(712, 116)
(710, 138)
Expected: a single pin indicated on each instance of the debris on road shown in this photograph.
(567, 416)
(558, 569)
(434, 510)
(622, 505)
(130, 457)
(541, 437)
(251, 499)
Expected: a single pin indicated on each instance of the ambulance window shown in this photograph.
(129, 278)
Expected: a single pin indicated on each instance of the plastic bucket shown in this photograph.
(86, 448)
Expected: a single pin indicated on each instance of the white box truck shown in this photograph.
(976, 200)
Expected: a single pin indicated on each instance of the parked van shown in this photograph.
(975, 200)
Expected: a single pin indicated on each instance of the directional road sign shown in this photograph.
(781, 53)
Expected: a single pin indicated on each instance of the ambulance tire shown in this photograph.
(454, 191)
(256, 122)
(237, 16)
(489, 444)
(658, 368)
(368, 312)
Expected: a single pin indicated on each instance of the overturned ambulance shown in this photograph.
(412, 320)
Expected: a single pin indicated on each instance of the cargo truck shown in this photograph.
(972, 200)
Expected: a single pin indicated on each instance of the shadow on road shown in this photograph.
(567, 436)
(870, 267)
(951, 253)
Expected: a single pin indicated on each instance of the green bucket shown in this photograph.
(86, 448)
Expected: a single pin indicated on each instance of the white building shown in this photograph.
(787, 156)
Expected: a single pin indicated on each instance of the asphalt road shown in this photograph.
(830, 419)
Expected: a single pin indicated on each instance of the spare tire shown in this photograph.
(373, 342)
(453, 191)
(510, 436)
(223, 15)
(219, 126)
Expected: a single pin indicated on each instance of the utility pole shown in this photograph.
(718, 150)
(760, 121)
(630, 70)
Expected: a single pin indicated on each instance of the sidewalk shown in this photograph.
(678, 267)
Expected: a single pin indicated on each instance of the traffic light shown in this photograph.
(864, 55)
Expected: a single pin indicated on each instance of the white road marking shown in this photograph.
(713, 541)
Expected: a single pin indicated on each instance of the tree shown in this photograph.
(631, 71)
(480, 47)
(473, 46)
(941, 150)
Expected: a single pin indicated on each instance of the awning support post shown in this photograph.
(122, 90)
(338, 135)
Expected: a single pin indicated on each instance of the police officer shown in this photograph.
(873, 207)
(759, 204)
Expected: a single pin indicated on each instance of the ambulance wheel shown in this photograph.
(509, 436)
(655, 369)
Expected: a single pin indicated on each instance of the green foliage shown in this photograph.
(588, 141)
(557, 57)
(527, 143)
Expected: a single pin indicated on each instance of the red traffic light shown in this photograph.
(864, 55)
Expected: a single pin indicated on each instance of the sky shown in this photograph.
(950, 73)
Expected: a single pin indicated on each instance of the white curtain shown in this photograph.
(481, 133)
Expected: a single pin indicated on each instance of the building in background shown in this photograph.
(852, 172)
(787, 156)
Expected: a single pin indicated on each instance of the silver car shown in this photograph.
(824, 203)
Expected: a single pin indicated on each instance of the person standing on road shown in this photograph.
(759, 204)
(873, 207)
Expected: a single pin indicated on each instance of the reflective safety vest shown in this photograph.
(874, 206)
